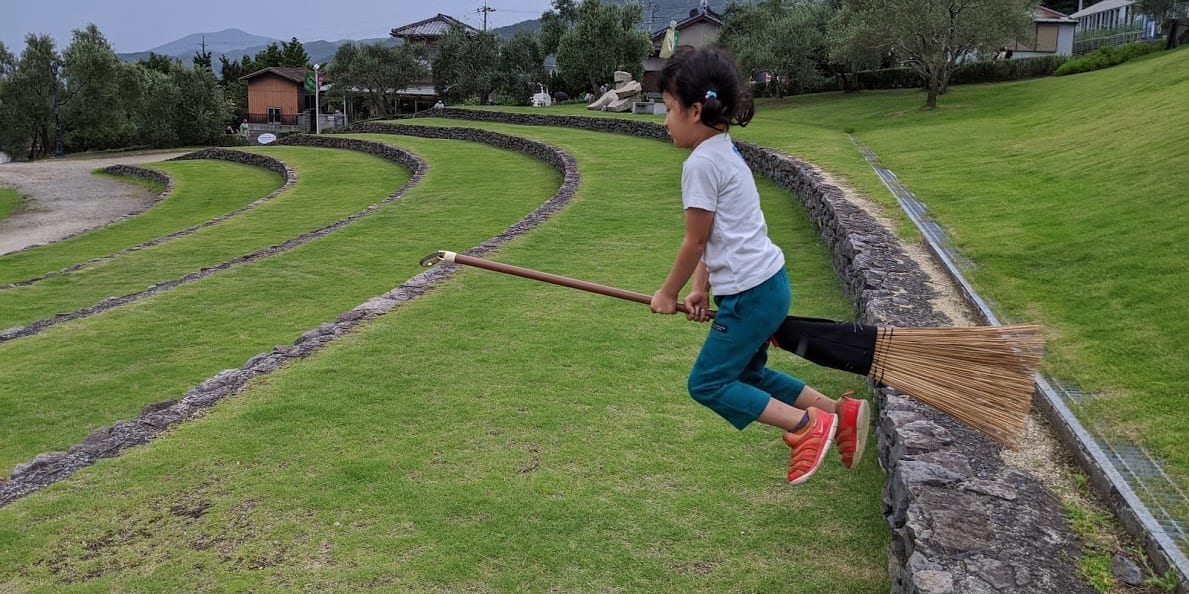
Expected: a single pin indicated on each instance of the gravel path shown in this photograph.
(64, 197)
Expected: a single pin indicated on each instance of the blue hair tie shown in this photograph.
(711, 95)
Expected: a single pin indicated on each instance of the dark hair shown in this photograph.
(709, 76)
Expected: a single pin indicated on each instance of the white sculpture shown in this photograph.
(621, 97)
(541, 98)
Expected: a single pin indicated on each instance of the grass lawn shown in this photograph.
(1068, 193)
(10, 202)
(303, 208)
(203, 190)
(495, 435)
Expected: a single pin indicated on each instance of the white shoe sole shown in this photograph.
(862, 428)
(821, 455)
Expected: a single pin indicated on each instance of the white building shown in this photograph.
(1052, 35)
(1116, 14)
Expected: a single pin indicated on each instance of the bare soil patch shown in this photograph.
(64, 198)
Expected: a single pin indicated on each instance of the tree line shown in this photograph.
(795, 44)
(103, 103)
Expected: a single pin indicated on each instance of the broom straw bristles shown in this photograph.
(982, 376)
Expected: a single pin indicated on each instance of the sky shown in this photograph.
(140, 25)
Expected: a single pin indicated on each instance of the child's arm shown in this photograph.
(697, 301)
(697, 232)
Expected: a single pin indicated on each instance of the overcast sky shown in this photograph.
(139, 25)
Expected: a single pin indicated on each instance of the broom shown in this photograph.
(982, 375)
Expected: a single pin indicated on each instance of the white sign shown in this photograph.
(266, 138)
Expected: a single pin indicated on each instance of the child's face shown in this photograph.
(684, 123)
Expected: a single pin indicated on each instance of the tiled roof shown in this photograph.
(297, 75)
(436, 26)
(704, 15)
(1048, 15)
(1101, 6)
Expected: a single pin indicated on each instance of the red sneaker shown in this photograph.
(810, 447)
(854, 423)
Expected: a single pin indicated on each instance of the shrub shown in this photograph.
(1006, 70)
(1106, 57)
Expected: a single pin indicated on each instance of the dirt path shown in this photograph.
(64, 197)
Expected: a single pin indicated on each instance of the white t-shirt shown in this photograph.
(738, 254)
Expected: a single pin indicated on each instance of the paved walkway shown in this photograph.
(64, 197)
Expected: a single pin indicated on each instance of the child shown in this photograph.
(726, 246)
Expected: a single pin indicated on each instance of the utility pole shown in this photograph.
(317, 89)
(485, 10)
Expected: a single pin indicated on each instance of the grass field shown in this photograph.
(1068, 193)
(10, 202)
(494, 435)
(205, 189)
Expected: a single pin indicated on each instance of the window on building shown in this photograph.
(274, 115)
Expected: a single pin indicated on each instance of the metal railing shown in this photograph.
(264, 118)
(1081, 46)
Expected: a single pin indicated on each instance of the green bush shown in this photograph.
(1106, 57)
(966, 74)
(1006, 70)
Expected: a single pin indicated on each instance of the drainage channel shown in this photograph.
(1148, 503)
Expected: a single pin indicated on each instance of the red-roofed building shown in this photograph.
(278, 102)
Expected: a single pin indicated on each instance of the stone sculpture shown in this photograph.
(620, 98)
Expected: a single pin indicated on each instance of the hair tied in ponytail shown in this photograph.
(711, 94)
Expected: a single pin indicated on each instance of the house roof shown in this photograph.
(435, 26)
(1041, 14)
(703, 15)
(1101, 7)
(297, 75)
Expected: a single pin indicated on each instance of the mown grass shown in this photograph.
(10, 202)
(204, 190)
(1068, 194)
(495, 435)
(69, 379)
(304, 207)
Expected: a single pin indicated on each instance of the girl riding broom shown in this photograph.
(726, 246)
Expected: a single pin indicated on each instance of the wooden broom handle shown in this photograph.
(555, 279)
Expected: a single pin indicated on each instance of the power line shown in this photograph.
(485, 10)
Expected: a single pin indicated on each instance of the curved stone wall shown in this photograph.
(107, 442)
(961, 520)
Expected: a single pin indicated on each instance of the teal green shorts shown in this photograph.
(730, 376)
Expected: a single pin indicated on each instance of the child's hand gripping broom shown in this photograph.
(982, 376)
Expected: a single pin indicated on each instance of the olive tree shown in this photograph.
(934, 36)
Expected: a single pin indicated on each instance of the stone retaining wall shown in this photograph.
(244, 157)
(107, 442)
(961, 520)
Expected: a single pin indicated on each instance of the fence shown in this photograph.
(1081, 46)
(264, 118)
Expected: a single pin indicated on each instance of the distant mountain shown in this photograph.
(532, 26)
(662, 11)
(235, 44)
(227, 40)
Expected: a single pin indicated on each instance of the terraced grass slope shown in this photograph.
(1069, 194)
(494, 435)
(220, 187)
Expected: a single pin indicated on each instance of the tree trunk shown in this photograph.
(934, 90)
